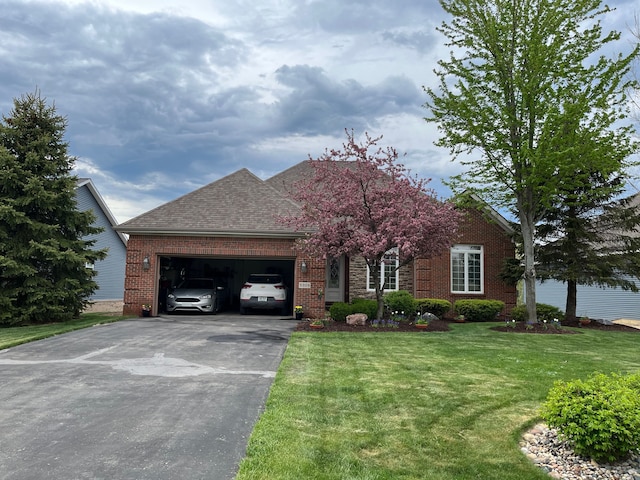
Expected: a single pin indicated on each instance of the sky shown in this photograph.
(165, 96)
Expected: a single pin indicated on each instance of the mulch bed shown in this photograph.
(331, 326)
(443, 326)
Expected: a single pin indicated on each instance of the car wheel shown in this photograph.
(216, 307)
(243, 311)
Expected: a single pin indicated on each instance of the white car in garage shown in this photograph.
(264, 291)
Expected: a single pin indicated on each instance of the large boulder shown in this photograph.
(357, 319)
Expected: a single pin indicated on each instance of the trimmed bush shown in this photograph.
(599, 417)
(400, 301)
(437, 306)
(365, 305)
(544, 312)
(340, 310)
(478, 310)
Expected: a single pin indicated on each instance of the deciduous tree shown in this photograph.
(43, 256)
(362, 202)
(525, 86)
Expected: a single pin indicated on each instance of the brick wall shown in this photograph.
(432, 278)
(424, 278)
(141, 286)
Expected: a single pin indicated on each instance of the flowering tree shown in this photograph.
(360, 202)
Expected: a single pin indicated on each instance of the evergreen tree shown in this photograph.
(590, 239)
(43, 256)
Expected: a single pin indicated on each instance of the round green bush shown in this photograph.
(478, 310)
(366, 306)
(437, 306)
(340, 310)
(543, 311)
(400, 301)
(599, 417)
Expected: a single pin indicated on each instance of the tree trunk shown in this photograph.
(374, 267)
(572, 300)
(528, 231)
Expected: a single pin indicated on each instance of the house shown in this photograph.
(229, 229)
(111, 270)
(594, 301)
(605, 303)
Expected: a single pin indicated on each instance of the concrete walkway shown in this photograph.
(628, 322)
(159, 398)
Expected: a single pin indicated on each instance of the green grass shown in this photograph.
(12, 336)
(418, 406)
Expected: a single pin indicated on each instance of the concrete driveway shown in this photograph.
(171, 397)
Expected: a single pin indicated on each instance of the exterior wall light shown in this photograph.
(146, 263)
(303, 267)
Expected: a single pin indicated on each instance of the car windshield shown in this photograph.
(265, 279)
(197, 283)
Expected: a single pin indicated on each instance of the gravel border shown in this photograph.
(542, 446)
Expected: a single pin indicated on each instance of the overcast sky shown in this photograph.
(165, 96)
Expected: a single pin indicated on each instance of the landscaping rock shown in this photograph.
(357, 319)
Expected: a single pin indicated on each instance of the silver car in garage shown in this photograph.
(206, 295)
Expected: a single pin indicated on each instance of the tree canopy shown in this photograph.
(362, 202)
(529, 95)
(43, 256)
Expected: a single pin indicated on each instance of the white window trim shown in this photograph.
(466, 250)
(371, 288)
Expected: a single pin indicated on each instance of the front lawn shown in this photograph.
(12, 336)
(448, 405)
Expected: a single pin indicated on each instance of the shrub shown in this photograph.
(365, 305)
(478, 310)
(437, 306)
(340, 310)
(400, 301)
(543, 311)
(599, 417)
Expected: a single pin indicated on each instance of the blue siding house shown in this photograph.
(111, 270)
(592, 301)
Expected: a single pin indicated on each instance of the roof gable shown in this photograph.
(104, 209)
(236, 204)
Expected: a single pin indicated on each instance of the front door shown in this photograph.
(334, 288)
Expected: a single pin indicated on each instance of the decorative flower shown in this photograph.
(146, 306)
(298, 309)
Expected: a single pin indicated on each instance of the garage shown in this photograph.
(228, 228)
(231, 272)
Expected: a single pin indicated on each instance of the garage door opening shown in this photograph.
(231, 272)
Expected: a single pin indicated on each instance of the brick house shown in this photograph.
(228, 229)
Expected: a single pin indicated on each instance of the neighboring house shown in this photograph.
(110, 271)
(605, 303)
(228, 229)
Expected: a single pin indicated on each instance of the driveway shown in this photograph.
(171, 397)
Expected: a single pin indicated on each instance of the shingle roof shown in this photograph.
(237, 204)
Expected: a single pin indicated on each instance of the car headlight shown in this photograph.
(171, 295)
(208, 295)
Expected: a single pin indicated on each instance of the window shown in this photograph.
(388, 272)
(467, 269)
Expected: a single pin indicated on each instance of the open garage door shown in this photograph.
(232, 271)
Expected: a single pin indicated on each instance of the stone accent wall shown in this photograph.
(358, 279)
